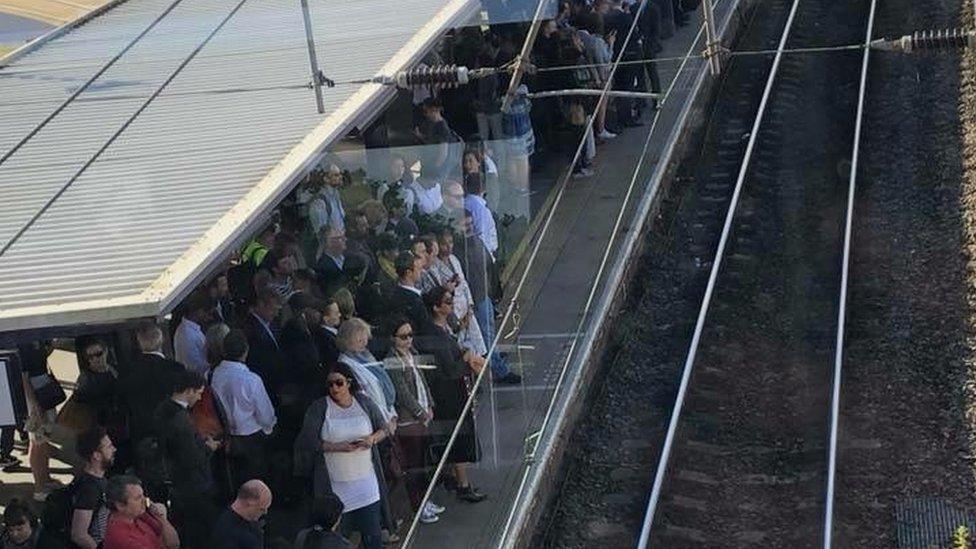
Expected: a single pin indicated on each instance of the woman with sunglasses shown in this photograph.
(337, 447)
(97, 391)
(415, 411)
(450, 387)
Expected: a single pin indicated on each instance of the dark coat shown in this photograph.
(303, 374)
(264, 357)
(149, 381)
(403, 301)
(325, 341)
(186, 453)
(331, 277)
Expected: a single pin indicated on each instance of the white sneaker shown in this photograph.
(606, 135)
(428, 517)
(432, 507)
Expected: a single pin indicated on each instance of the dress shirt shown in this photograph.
(482, 221)
(244, 398)
(428, 200)
(325, 209)
(190, 346)
(412, 289)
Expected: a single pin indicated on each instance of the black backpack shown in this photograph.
(57, 513)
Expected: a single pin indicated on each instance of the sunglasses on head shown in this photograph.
(340, 382)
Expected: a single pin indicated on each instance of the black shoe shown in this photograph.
(510, 378)
(8, 460)
(450, 483)
(470, 494)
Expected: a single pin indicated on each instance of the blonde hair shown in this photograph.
(349, 330)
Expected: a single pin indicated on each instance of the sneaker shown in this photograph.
(434, 508)
(582, 172)
(8, 460)
(606, 134)
(428, 517)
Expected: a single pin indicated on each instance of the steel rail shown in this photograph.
(506, 532)
(709, 289)
(844, 279)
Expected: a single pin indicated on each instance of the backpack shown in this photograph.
(57, 512)
(207, 415)
(151, 465)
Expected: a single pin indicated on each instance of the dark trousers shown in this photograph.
(366, 521)
(625, 79)
(194, 512)
(248, 456)
(6, 441)
(414, 442)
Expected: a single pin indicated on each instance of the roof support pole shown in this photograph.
(312, 59)
(712, 47)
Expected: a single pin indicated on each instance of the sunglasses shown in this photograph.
(404, 336)
(337, 383)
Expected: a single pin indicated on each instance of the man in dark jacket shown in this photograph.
(149, 381)
(265, 358)
(406, 298)
(187, 456)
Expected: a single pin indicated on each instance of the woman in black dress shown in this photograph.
(450, 386)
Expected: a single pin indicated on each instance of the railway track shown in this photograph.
(748, 459)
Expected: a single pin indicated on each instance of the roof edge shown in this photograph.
(100, 311)
(243, 218)
(57, 33)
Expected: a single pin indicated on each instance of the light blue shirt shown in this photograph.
(482, 221)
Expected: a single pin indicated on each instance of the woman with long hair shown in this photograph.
(415, 411)
(450, 387)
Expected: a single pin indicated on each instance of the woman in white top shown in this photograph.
(337, 447)
(352, 338)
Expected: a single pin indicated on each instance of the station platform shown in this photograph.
(554, 287)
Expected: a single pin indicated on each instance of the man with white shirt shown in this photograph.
(325, 208)
(249, 413)
(427, 193)
(481, 217)
(189, 341)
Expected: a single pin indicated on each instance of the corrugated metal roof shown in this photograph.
(143, 222)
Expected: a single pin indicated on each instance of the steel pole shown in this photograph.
(312, 60)
(711, 40)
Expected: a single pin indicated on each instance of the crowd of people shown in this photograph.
(330, 360)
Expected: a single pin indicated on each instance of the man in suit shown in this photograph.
(265, 357)
(187, 455)
(330, 260)
(150, 381)
(406, 298)
(617, 20)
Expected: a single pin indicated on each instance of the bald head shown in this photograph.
(253, 500)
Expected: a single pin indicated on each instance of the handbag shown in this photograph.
(48, 391)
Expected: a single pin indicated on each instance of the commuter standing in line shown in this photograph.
(89, 515)
(337, 448)
(240, 526)
(188, 455)
(149, 381)
(249, 413)
(189, 341)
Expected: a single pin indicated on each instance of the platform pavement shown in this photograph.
(550, 304)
